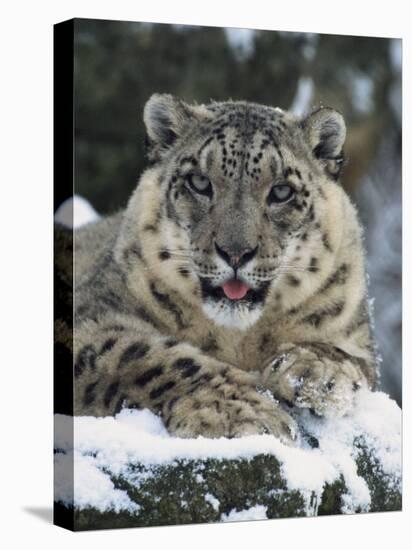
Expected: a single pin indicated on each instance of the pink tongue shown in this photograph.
(235, 289)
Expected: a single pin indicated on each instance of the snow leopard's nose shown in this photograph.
(236, 256)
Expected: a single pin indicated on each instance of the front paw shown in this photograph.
(308, 379)
(263, 416)
(240, 414)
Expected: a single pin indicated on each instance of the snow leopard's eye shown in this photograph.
(199, 184)
(280, 193)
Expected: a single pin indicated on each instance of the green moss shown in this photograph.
(331, 501)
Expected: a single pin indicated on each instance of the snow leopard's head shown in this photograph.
(235, 201)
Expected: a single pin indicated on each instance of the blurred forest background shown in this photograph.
(118, 65)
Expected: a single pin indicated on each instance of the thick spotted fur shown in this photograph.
(153, 326)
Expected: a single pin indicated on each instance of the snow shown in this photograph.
(92, 488)
(303, 97)
(213, 501)
(362, 92)
(250, 514)
(75, 212)
(310, 45)
(241, 40)
(376, 419)
(104, 446)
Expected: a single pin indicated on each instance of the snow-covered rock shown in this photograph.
(128, 471)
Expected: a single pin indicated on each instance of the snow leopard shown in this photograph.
(231, 291)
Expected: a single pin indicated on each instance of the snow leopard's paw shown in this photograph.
(319, 377)
(241, 412)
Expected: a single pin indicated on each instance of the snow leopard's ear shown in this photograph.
(325, 130)
(166, 118)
